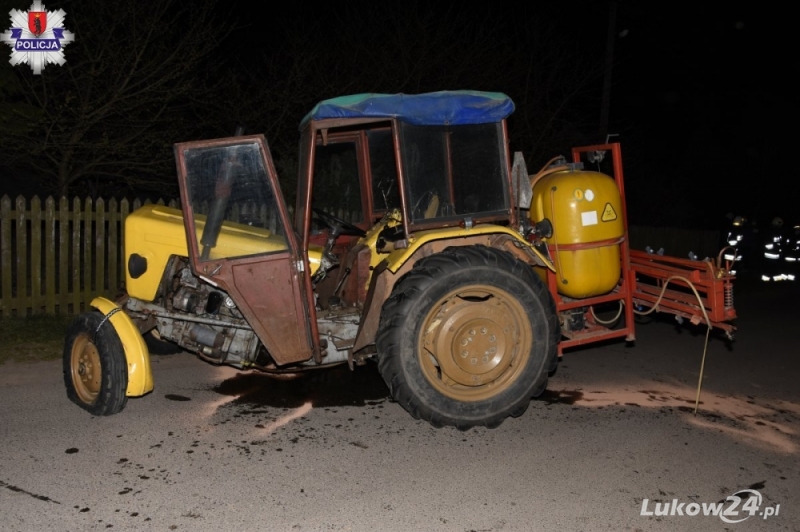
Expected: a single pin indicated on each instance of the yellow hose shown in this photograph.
(708, 332)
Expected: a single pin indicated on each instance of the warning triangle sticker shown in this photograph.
(609, 214)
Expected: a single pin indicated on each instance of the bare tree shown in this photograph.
(133, 79)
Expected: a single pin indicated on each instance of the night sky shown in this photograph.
(704, 105)
(702, 99)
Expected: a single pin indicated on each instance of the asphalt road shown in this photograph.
(213, 449)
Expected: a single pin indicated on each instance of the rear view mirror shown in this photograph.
(520, 181)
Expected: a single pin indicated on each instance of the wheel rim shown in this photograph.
(86, 370)
(475, 342)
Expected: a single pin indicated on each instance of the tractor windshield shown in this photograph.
(453, 172)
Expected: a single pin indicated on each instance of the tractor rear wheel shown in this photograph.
(95, 368)
(467, 338)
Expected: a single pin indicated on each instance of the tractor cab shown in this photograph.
(437, 157)
(408, 164)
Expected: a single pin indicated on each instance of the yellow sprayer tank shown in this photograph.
(585, 209)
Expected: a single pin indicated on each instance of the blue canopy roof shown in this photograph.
(433, 108)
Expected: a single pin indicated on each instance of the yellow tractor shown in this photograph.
(414, 242)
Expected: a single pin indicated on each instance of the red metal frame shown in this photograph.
(713, 284)
(594, 331)
(642, 279)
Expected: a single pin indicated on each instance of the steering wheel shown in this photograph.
(345, 228)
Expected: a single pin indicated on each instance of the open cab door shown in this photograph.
(240, 239)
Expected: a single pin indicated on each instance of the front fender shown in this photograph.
(140, 376)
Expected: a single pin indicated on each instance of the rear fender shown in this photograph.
(435, 240)
(400, 262)
(140, 376)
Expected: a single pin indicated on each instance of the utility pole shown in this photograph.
(605, 103)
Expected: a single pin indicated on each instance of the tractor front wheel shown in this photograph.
(467, 338)
(95, 369)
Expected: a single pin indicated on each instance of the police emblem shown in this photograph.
(37, 37)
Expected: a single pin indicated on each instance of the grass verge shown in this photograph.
(32, 339)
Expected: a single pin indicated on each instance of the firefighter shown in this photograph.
(735, 242)
(792, 256)
(775, 253)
